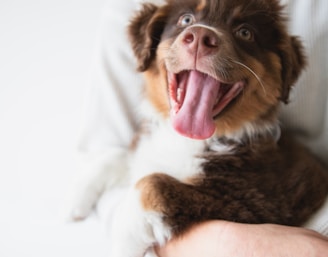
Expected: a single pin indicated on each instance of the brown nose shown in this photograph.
(200, 40)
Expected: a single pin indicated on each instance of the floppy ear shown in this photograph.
(293, 62)
(145, 32)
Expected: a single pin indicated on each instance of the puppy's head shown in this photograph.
(216, 66)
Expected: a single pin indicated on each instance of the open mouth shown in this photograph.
(196, 99)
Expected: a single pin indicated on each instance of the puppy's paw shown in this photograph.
(79, 204)
(135, 230)
(98, 173)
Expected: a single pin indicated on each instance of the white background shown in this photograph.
(45, 51)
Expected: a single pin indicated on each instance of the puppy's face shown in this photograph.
(216, 66)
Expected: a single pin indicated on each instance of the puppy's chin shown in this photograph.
(196, 99)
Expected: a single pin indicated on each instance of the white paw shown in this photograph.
(87, 188)
(79, 204)
(135, 230)
(97, 173)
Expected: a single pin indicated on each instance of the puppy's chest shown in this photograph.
(165, 151)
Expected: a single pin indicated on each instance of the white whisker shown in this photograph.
(254, 74)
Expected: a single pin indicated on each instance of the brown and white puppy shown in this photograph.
(216, 71)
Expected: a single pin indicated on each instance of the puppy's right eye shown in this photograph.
(186, 20)
(245, 33)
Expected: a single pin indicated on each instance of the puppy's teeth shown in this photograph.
(174, 109)
(179, 94)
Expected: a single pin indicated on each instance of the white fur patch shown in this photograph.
(219, 148)
(252, 131)
(167, 152)
(135, 230)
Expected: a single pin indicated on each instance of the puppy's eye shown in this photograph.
(245, 34)
(186, 20)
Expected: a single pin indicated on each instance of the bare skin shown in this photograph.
(226, 239)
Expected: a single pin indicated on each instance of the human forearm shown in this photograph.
(219, 238)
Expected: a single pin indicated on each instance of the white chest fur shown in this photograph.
(165, 151)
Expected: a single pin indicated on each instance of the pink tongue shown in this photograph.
(194, 118)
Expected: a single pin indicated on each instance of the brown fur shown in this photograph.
(262, 181)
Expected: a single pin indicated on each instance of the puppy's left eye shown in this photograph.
(186, 20)
(245, 34)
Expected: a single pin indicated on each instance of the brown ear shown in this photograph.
(293, 62)
(145, 32)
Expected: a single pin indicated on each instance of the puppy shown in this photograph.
(211, 148)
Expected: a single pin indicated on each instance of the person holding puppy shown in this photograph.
(111, 121)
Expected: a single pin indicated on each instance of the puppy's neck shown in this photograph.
(253, 133)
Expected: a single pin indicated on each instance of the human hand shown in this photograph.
(227, 239)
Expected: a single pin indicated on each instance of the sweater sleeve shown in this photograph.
(111, 99)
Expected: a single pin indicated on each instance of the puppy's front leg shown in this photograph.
(97, 174)
(136, 229)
